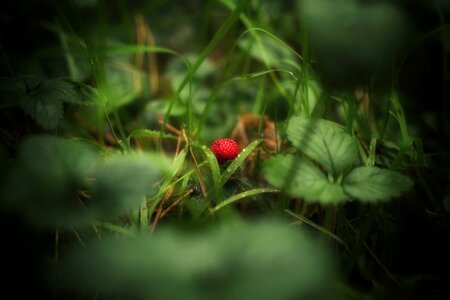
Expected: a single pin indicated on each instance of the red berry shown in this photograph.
(225, 149)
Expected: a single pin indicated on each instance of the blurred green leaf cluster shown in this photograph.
(263, 260)
(61, 182)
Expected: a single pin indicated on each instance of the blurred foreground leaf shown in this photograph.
(61, 182)
(352, 40)
(45, 182)
(121, 183)
(264, 260)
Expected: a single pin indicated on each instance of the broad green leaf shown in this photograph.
(120, 183)
(69, 91)
(44, 184)
(372, 184)
(262, 260)
(323, 141)
(46, 111)
(59, 89)
(328, 192)
(43, 99)
(301, 178)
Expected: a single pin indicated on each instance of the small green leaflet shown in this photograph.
(301, 178)
(323, 141)
(370, 184)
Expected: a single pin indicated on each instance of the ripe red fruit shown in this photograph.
(225, 149)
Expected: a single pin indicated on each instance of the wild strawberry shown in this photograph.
(225, 149)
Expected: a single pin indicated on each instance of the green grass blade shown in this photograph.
(148, 134)
(319, 228)
(250, 26)
(414, 47)
(70, 60)
(399, 115)
(115, 228)
(275, 38)
(177, 164)
(143, 214)
(133, 49)
(215, 170)
(205, 53)
(219, 89)
(77, 235)
(244, 195)
(372, 152)
(238, 161)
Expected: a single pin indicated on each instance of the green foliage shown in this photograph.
(44, 184)
(147, 133)
(371, 184)
(43, 99)
(323, 141)
(241, 261)
(267, 49)
(215, 171)
(170, 176)
(121, 182)
(301, 178)
(363, 40)
(334, 149)
(242, 195)
(170, 78)
(277, 108)
(120, 85)
(62, 182)
(236, 163)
